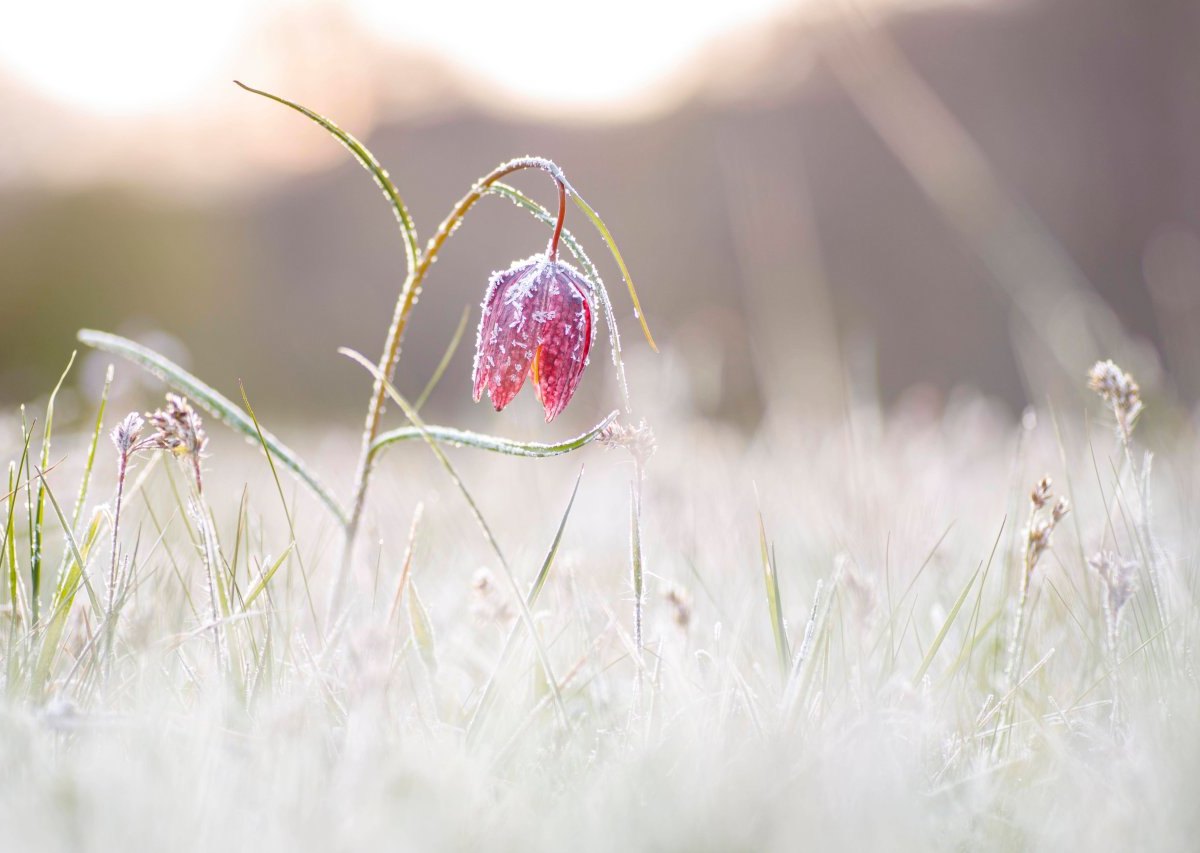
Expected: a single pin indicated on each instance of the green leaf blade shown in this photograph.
(616, 253)
(213, 402)
(492, 443)
(368, 161)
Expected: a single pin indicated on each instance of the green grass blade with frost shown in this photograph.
(774, 600)
(440, 370)
(69, 583)
(66, 592)
(526, 616)
(10, 528)
(495, 444)
(544, 572)
(635, 557)
(213, 402)
(422, 628)
(261, 585)
(616, 253)
(945, 629)
(35, 565)
(97, 430)
(286, 512)
(535, 590)
(408, 228)
(8, 549)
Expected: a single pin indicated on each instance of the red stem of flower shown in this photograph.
(552, 251)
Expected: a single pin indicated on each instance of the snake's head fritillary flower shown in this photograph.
(537, 321)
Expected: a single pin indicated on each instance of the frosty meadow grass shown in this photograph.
(885, 634)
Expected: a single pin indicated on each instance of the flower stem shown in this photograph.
(639, 589)
(552, 250)
(122, 469)
(418, 268)
(1141, 486)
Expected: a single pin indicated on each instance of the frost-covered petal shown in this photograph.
(507, 334)
(537, 319)
(564, 336)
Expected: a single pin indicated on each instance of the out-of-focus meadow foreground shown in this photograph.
(893, 544)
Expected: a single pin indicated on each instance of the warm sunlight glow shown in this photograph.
(123, 56)
(568, 55)
(142, 56)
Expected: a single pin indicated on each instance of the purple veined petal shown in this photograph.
(536, 320)
(507, 337)
(564, 338)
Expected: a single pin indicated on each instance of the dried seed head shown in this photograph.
(178, 429)
(1041, 493)
(1041, 523)
(1118, 389)
(681, 605)
(1119, 577)
(482, 582)
(638, 440)
(1038, 540)
(487, 601)
(125, 435)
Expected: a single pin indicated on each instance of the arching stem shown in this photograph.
(391, 348)
(552, 250)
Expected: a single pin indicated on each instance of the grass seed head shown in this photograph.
(1041, 493)
(1041, 523)
(126, 434)
(178, 430)
(680, 601)
(638, 439)
(1120, 391)
(1118, 576)
(487, 600)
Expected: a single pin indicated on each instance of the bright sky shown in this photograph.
(119, 56)
(130, 57)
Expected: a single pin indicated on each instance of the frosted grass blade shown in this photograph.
(422, 628)
(531, 599)
(774, 600)
(945, 629)
(616, 253)
(265, 579)
(35, 565)
(213, 402)
(455, 340)
(407, 227)
(495, 444)
(526, 615)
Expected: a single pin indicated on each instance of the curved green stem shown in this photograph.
(495, 444)
(525, 614)
(408, 228)
(213, 402)
(391, 350)
(616, 253)
(404, 306)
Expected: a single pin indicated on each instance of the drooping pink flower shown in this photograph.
(537, 321)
